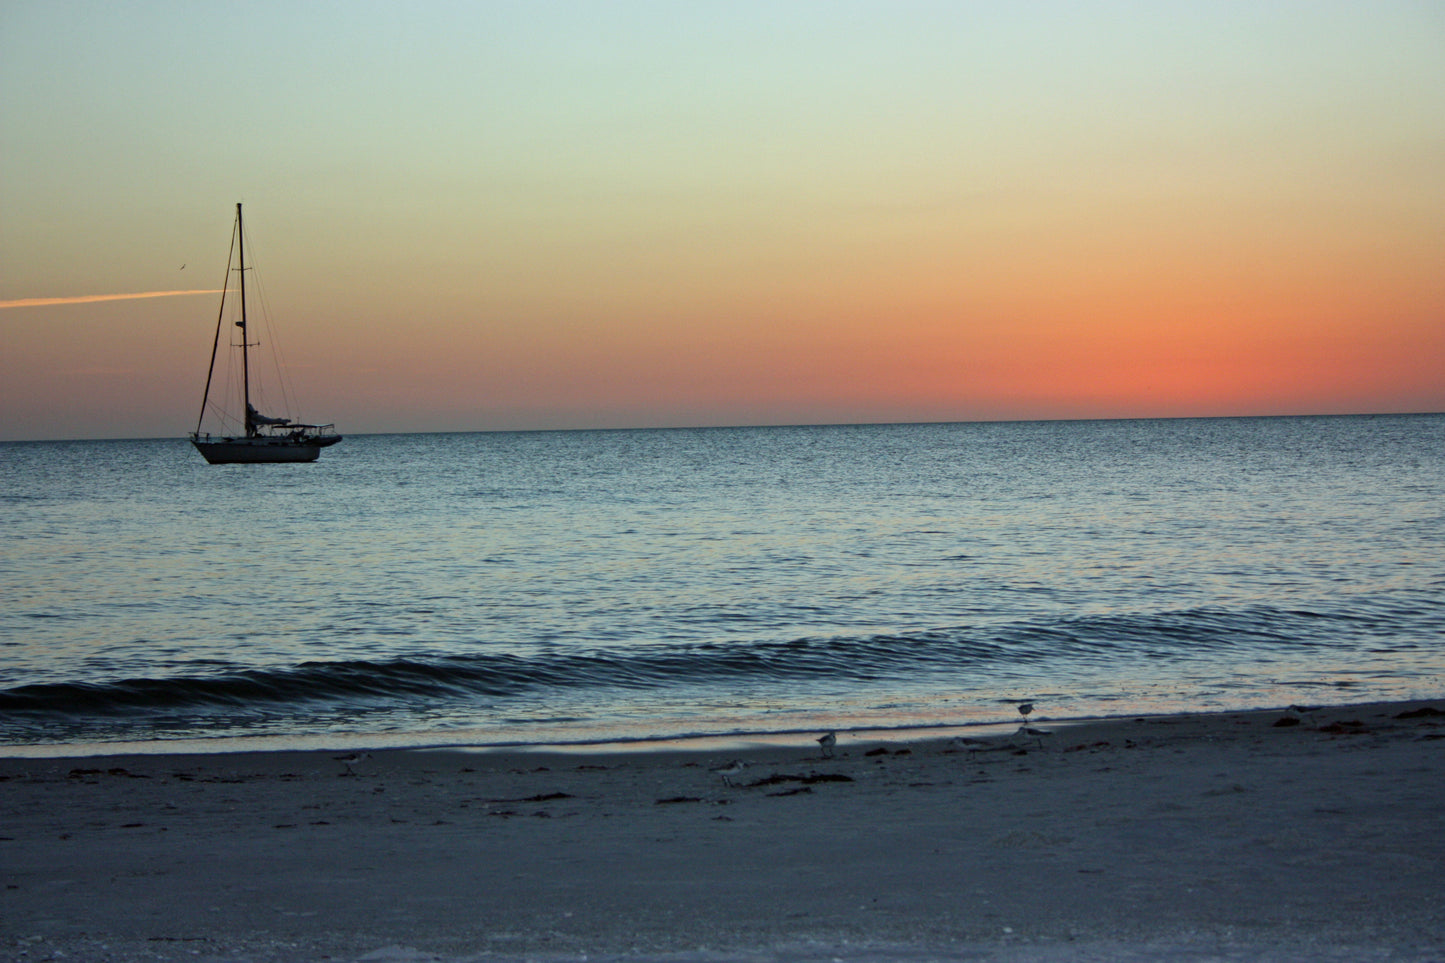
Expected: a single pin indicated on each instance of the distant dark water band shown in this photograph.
(1098, 640)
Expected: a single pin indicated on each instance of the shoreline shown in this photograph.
(1193, 836)
(690, 742)
(736, 741)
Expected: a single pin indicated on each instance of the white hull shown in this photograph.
(255, 451)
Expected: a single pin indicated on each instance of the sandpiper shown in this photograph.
(351, 760)
(828, 740)
(1026, 733)
(734, 768)
(1304, 713)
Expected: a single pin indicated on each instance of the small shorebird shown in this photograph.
(964, 742)
(1026, 733)
(828, 740)
(351, 760)
(734, 768)
(1304, 713)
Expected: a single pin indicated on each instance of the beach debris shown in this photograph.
(677, 799)
(1424, 712)
(808, 780)
(396, 953)
(1030, 839)
(828, 740)
(540, 797)
(1285, 722)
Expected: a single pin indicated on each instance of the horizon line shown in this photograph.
(820, 424)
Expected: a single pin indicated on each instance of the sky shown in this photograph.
(499, 215)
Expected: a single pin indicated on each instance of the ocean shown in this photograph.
(583, 587)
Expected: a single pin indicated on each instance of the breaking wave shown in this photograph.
(1053, 647)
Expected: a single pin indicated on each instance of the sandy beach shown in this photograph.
(1240, 836)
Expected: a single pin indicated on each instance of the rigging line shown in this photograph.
(215, 344)
(289, 403)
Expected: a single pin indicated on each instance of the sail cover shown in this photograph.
(259, 419)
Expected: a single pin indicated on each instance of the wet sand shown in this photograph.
(1202, 837)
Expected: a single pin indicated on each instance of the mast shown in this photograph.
(245, 335)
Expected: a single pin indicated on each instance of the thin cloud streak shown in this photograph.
(89, 298)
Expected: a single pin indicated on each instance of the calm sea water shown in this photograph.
(560, 586)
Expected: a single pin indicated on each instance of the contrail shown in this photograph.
(88, 298)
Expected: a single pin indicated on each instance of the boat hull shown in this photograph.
(257, 451)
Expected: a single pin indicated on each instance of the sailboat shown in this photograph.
(261, 438)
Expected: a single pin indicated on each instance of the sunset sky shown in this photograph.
(590, 214)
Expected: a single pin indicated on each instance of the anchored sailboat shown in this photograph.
(261, 438)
